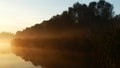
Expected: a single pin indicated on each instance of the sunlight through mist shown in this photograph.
(5, 47)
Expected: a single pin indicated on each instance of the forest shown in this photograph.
(83, 36)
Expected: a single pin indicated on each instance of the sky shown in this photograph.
(16, 15)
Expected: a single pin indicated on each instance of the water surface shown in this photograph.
(10, 60)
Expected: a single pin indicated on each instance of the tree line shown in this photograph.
(92, 29)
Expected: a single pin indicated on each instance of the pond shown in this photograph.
(32, 55)
(10, 60)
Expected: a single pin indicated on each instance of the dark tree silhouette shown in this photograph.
(105, 9)
(82, 37)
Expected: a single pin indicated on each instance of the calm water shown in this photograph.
(33, 57)
(10, 60)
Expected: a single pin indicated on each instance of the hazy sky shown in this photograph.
(18, 14)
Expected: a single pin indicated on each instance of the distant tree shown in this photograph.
(92, 8)
(105, 9)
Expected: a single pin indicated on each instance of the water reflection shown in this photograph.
(55, 58)
(10, 60)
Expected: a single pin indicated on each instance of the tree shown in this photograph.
(92, 8)
(105, 9)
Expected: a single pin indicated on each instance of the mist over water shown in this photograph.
(7, 58)
(84, 36)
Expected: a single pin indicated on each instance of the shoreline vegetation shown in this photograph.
(84, 36)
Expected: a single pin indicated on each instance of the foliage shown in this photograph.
(82, 28)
